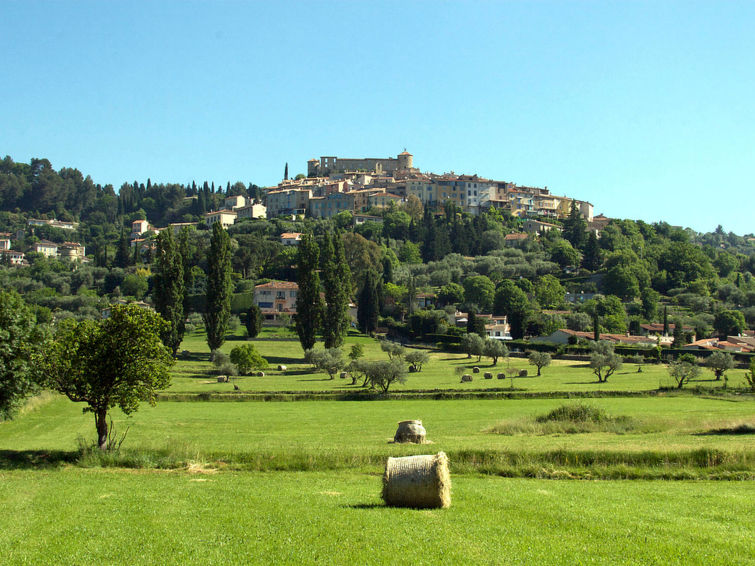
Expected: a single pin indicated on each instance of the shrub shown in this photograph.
(577, 413)
(247, 358)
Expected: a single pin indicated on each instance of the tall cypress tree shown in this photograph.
(168, 292)
(219, 287)
(591, 258)
(367, 307)
(185, 251)
(122, 256)
(309, 305)
(337, 286)
(575, 227)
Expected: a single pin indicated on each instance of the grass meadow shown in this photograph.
(204, 481)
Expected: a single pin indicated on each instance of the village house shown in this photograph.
(140, 227)
(4, 240)
(46, 248)
(291, 238)
(276, 298)
(72, 251)
(252, 210)
(13, 257)
(234, 202)
(564, 335)
(226, 218)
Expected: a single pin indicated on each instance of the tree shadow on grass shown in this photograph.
(36, 459)
(275, 360)
(193, 357)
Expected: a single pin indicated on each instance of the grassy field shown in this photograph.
(115, 516)
(672, 437)
(193, 375)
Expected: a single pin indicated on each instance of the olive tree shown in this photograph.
(119, 361)
(603, 360)
(539, 360)
(719, 362)
(494, 349)
(416, 359)
(383, 374)
(247, 358)
(473, 344)
(684, 369)
(329, 360)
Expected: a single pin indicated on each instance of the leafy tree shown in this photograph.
(416, 359)
(512, 301)
(564, 254)
(549, 291)
(479, 290)
(540, 360)
(247, 358)
(475, 325)
(383, 374)
(134, 285)
(329, 360)
(649, 299)
(337, 286)
(450, 294)
(367, 305)
(603, 360)
(729, 323)
(356, 352)
(720, 362)
(254, 320)
(473, 344)
(591, 260)
(494, 349)
(21, 341)
(684, 369)
(309, 306)
(119, 361)
(219, 287)
(168, 288)
(395, 351)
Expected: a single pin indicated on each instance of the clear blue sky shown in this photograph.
(646, 109)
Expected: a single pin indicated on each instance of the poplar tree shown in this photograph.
(367, 308)
(337, 286)
(219, 287)
(309, 307)
(169, 291)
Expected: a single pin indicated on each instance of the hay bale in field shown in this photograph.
(344, 374)
(260, 374)
(466, 377)
(410, 431)
(475, 370)
(488, 375)
(522, 373)
(501, 376)
(222, 379)
(417, 481)
(281, 368)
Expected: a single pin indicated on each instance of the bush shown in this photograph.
(578, 413)
(247, 358)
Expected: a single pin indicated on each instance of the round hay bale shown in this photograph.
(522, 373)
(260, 374)
(475, 370)
(466, 377)
(488, 375)
(417, 481)
(410, 431)
(501, 376)
(344, 374)
(281, 368)
(222, 378)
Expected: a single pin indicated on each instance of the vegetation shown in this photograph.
(309, 306)
(246, 358)
(540, 360)
(219, 287)
(169, 289)
(684, 369)
(603, 360)
(117, 362)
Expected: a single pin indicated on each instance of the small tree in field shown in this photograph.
(120, 361)
(329, 360)
(394, 351)
(684, 369)
(247, 358)
(416, 359)
(385, 373)
(603, 360)
(539, 360)
(472, 344)
(494, 349)
(638, 360)
(719, 362)
(750, 375)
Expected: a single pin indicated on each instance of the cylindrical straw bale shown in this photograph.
(417, 481)
(466, 377)
(410, 431)
(475, 370)
(488, 375)
(501, 376)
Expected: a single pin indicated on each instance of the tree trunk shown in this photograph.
(100, 422)
(538, 371)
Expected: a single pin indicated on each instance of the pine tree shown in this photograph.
(219, 287)
(168, 291)
(309, 307)
(367, 307)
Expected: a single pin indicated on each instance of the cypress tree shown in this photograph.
(309, 305)
(219, 287)
(575, 227)
(285, 172)
(367, 307)
(168, 292)
(122, 255)
(591, 258)
(337, 278)
(185, 251)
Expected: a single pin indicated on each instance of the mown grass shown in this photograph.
(674, 441)
(193, 374)
(122, 517)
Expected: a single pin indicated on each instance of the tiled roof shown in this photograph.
(278, 285)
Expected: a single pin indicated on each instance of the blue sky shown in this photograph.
(646, 109)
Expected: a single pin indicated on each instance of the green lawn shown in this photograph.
(78, 516)
(192, 376)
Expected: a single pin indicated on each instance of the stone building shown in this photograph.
(388, 166)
